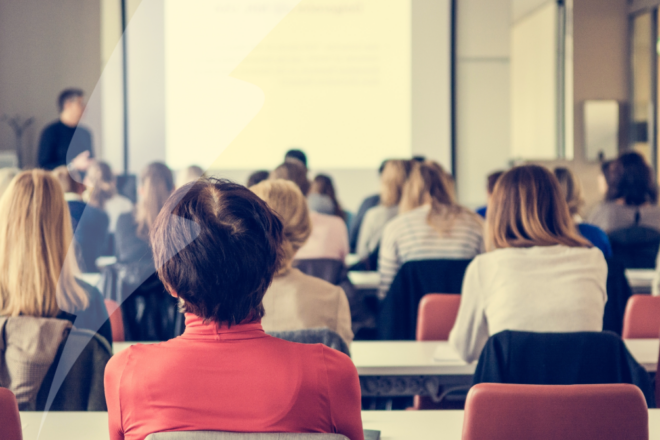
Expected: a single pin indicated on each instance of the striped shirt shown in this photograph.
(410, 237)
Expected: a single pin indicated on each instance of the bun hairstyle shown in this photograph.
(288, 202)
(102, 184)
(527, 209)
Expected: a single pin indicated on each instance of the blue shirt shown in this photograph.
(597, 237)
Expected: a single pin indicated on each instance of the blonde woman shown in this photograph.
(540, 274)
(296, 301)
(431, 225)
(102, 193)
(38, 266)
(394, 176)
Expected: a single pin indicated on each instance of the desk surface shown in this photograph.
(394, 425)
(393, 358)
(364, 280)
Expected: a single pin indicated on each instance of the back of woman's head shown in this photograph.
(101, 183)
(68, 183)
(217, 246)
(323, 185)
(189, 174)
(394, 176)
(528, 209)
(35, 237)
(157, 185)
(631, 180)
(570, 188)
(295, 172)
(426, 184)
(285, 198)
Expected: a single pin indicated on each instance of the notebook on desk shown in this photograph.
(371, 434)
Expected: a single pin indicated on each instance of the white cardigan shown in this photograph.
(538, 289)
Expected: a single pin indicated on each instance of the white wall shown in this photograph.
(482, 95)
(46, 46)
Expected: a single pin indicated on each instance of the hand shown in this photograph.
(82, 161)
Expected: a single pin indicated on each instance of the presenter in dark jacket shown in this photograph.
(63, 142)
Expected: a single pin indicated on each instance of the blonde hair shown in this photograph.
(103, 184)
(285, 198)
(429, 184)
(69, 184)
(570, 188)
(38, 271)
(6, 176)
(394, 176)
(157, 186)
(527, 209)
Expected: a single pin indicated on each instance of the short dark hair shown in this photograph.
(295, 172)
(631, 179)
(256, 177)
(492, 179)
(67, 94)
(296, 154)
(217, 246)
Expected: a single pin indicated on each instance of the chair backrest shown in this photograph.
(217, 435)
(636, 246)
(327, 269)
(10, 420)
(321, 335)
(116, 320)
(642, 318)
(549, 412)
(436, 316)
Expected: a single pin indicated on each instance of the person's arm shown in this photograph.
(470, 331)
(388, 260)
(344, 328)
(112, 382)
(344, 394)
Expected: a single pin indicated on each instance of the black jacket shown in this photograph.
(398, 311)
(560, 359)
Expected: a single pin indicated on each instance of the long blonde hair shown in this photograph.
(157, 185)
(285, 198)
(38, 270)
(394, 176)
(429, 184)
(570, 188)
(102, 184)
(528, 209)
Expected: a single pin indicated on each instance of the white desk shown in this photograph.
(409, 358)
(365, 280)
(640, 280)
(351, 259)
(93, 279)
(394, 425)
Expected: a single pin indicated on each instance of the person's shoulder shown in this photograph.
(340, 367)
(53, 126)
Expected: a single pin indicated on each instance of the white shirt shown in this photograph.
(372, 227)
(410, 237)
(116, 206)
(538, 289)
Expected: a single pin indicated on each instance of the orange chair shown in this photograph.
(116, 320)
(436, 316)
(10, 420)
(642, 318)
(549, 412)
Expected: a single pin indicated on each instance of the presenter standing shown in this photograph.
(63, 142)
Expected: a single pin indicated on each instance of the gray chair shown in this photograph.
(219, 435)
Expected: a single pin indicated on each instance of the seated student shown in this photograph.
(189, 174)
(572, 192)
(367, 204)
(540, 274)
(90, 224)
(296, 301)
(218, 246)
(394, 176)
(102, 193)
(491, 180)
(431, 225)
(329, 238)
(256, 177)
(632, 194)
(38, 269)
(323, 198)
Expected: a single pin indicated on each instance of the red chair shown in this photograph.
(116, 320)
(550, 412)
(10, 420)
(435, 319)
(642, 317)
(436, 316)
